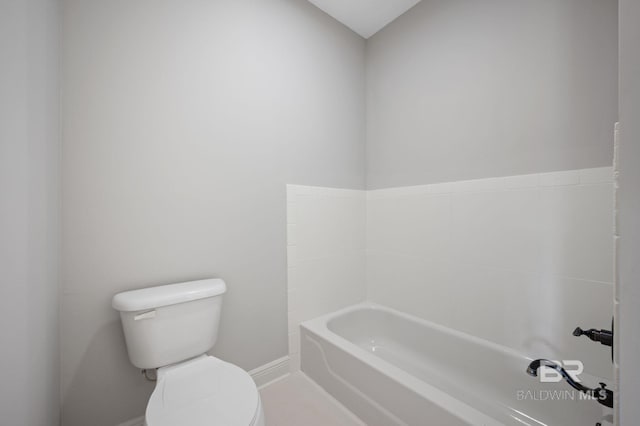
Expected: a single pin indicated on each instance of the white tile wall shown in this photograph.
(326, 254)
(519, 260)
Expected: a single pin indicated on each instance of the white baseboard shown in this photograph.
(263, 375)
(138, 421)
(270, 372)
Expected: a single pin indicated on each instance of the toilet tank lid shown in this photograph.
(165, 295)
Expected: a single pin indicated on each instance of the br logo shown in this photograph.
(573, 368)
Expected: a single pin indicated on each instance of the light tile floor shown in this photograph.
(297, 401)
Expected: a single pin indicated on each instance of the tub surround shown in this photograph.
(519, 261)
(325, 254)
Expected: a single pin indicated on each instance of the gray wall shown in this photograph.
(463, 89)
(183, 120)
(628, 276)
(29, 219)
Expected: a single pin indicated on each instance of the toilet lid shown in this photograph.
(204, 391)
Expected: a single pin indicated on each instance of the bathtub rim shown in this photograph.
(457, 408)
(320, 324)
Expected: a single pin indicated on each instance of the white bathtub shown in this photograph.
(391, 368)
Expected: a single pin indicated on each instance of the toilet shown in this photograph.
(170, 328)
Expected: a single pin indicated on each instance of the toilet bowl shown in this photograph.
(204, 391)
(170, 328)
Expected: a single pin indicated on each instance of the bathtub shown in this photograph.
(390, 368)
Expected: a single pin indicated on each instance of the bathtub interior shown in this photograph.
(482, 374)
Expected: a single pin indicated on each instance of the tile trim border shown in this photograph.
(597, 175)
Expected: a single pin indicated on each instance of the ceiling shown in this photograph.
(365, 17)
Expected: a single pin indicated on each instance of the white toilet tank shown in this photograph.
(171, 323)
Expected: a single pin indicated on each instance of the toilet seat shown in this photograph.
(204, 391)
